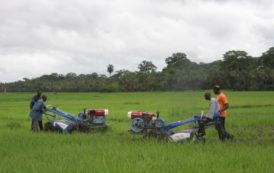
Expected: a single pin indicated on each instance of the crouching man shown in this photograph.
(213, 112)
(36, 113)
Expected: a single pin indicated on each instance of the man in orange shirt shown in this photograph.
(223, 104)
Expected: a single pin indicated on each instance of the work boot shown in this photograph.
(229, 136)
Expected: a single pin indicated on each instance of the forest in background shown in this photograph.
(236, 71)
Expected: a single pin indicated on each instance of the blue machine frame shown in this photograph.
(55, 112)
(160, 123)
(159, 130)
(61, 125)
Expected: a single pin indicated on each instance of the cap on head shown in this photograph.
(217, 89)
(217, 86)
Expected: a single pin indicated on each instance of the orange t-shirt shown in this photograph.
(222, 100)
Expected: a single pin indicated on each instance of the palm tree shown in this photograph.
(110, 69)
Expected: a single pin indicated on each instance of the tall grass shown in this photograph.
(250, 119)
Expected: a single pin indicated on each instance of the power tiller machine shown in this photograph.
(151, 126)
(85, 121)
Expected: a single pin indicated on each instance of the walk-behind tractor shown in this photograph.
(85, 121)
(152, 126)
(140, 121)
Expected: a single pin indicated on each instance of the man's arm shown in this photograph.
(225, 107)
(31, 103)
(44, 108)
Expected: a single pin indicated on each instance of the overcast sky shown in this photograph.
(84, 36)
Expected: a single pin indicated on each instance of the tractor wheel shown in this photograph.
(163, 136)
(197, 139)
(147, 134)
(49, 127)
(83, 127)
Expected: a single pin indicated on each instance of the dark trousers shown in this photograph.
(220, 127)
(40, 124)
(202, 124)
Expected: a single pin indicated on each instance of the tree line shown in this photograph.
(236, 71)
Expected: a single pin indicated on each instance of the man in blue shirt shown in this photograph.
(32, 102)
(36, 113)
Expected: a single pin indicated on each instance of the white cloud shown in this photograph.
(44, 36)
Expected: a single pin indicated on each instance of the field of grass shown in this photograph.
(250, 120)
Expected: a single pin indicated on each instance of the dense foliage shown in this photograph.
(237, 71)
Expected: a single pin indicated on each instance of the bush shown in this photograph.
(113, 87)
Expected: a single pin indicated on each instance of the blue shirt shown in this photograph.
(33, 100)
(37, 110)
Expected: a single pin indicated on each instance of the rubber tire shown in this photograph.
(48, 127)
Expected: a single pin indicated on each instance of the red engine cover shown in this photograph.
(148, 115)
(96, 112)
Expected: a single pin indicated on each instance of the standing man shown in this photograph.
(223, 105)
(34, 99)
(36, 113)
(213, 112)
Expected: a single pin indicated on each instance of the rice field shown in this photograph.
(250, 120)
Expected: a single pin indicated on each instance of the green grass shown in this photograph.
(250, 119)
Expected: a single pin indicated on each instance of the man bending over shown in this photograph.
(212, 112)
